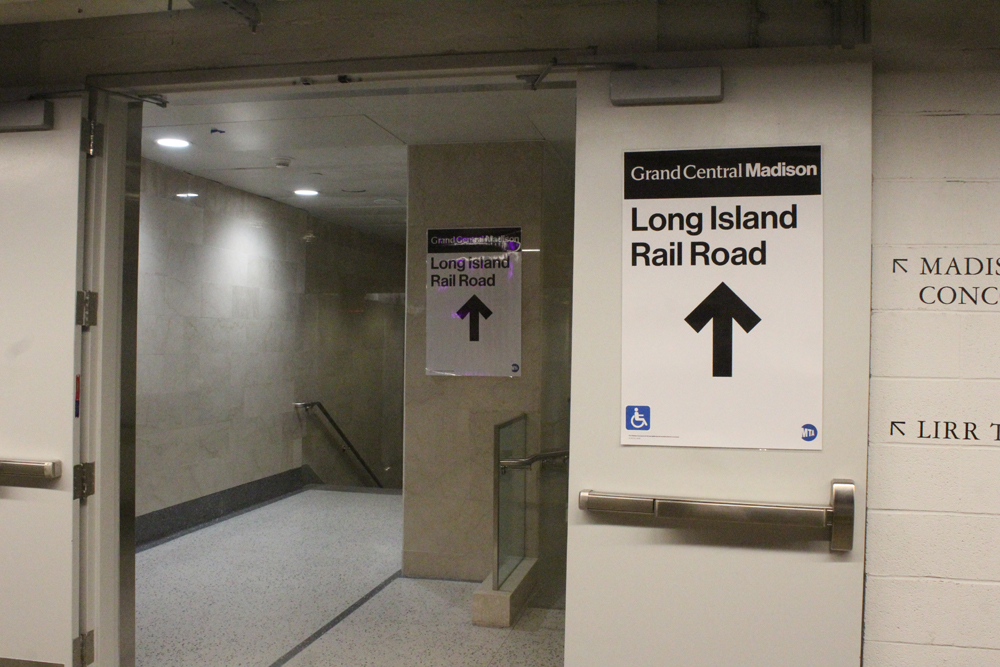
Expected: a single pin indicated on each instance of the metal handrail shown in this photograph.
(526, 463)
(316, 404)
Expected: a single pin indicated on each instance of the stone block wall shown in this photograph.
(933, 576)
(238, 318)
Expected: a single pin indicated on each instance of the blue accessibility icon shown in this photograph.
(809, 432)
(637, 418)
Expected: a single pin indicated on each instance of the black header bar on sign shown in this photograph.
(723, 172)
(474, 239)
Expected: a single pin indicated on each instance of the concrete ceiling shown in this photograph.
(349, 143)
(37, 11)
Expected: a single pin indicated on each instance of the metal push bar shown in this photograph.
(34, 469)
(838, 516)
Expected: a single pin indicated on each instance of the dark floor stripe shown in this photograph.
(283, 660)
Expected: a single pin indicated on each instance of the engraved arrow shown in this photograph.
(722, 306)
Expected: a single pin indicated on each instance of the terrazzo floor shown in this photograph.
(312, 580)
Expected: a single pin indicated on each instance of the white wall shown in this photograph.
(933, 584)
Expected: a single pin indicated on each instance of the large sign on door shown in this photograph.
(722, 298)
(474, 301)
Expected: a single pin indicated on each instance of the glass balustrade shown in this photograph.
(509, 500)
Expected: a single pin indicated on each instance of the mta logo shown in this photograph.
(809, 432)
(637, 418)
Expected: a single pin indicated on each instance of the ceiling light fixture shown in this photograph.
(168, 142)
(187, 195)
(353, 192)
(306, 193)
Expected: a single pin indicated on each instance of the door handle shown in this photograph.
(33, 469)
(838, 516)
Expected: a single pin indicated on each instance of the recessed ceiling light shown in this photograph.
(187, 195)
(169, 142)
(306, 193)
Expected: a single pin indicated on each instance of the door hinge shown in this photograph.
(93, 138)
(86, 309)
(83, 480)
(83, 650)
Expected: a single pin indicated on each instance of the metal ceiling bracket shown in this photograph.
(245, 8)
(535, 80)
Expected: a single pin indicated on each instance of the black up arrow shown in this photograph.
(474, 308)
(722, 306)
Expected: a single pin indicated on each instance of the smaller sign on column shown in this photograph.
(474, 301)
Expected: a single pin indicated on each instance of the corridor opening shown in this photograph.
(280, 373)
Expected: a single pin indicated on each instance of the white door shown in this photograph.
(645, 591)
(40, 231)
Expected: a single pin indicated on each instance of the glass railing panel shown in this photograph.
(511, 443)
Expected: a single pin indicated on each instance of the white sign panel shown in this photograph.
(722, 298)
(474, 301)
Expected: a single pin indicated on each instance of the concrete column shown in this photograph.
(448, 421)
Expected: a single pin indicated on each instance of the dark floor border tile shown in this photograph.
(356, 489)
(159, 526)
(308, 641)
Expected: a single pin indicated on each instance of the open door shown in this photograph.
(720, 371)
(41, 223)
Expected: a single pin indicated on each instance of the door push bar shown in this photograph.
(838, 517)
(33, 469)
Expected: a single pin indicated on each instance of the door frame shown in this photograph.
(110, 205)
(112, 246)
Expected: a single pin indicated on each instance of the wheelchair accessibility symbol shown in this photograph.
(637, 418)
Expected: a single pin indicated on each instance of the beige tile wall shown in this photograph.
(352, 352)
(933, 577)
(239, 318)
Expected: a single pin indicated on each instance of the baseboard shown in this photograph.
(169, 521)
